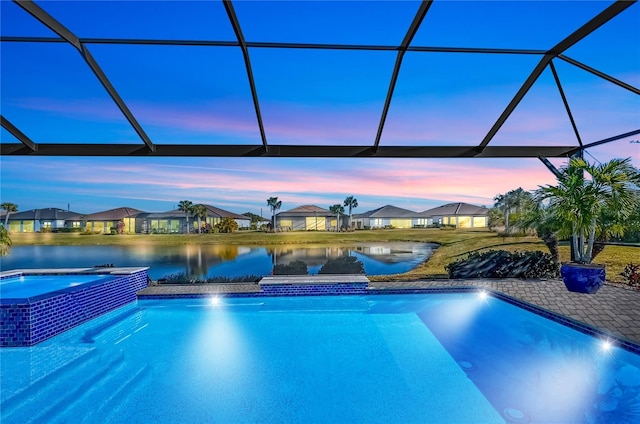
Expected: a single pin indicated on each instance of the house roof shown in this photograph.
(177, 214)
(212, 211)
(388, 211)
(260, 218)
(114, 214)
(44, 214)
(459, 208)
(306, 210)
(221, 213)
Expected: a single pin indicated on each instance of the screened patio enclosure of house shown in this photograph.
(430, 79)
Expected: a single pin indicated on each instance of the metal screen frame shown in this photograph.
(30, 147)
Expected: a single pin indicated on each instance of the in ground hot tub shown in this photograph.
(38, 304)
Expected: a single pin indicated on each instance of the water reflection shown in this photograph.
(201, 261)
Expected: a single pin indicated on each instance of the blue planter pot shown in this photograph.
(583, 278)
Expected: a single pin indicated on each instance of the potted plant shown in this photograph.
(587, 199)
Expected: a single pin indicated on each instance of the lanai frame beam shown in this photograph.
(411, 32)
(596, 22)
(231, 13)
(4, 122)
(300, 151)
(556, 77)
(41, 15)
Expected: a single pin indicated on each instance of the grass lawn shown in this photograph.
(454, 244)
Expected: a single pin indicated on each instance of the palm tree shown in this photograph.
(337, 209)
(200, 212)
(515, 199)
(9, 207)
(186, 207)
(274, 204)
(352, 203)
(585, 206)
(536, 216)
(499, 203)
(515, 203)
(504, 202)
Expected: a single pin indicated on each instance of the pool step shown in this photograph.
(90, 384)
(99, 399)
(91, 335)
(34, 389)
(51, 398)
(106, 410)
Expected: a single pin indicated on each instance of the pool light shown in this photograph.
(215, 301)
(606, 345)
(483, 295)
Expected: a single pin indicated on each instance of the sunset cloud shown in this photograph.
(246, 183)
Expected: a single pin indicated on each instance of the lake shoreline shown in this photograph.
(205, 262)
(453, 244)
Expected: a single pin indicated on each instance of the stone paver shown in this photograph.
(613, 309)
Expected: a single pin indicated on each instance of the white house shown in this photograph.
(460, 215)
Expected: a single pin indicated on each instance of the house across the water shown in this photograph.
(308, 217)
(460, 215)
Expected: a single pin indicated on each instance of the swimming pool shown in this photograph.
(427, 358)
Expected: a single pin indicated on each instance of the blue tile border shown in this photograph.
(319, 289)
(31, 321)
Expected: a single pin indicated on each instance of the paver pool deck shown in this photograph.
(614, 308)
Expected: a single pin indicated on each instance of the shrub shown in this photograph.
(292, 268)
(67, 230)
(342, 265)
(185, 279)
(631, 275)
(227, 225)
(503, 264)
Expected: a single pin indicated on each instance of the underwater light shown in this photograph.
(606, 345)
(483, 295)
(215, 301)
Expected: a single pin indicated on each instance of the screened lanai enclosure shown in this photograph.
(430, 79)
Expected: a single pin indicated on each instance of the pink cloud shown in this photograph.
(475, 181)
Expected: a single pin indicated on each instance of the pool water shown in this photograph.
(425, 358)
(26, 286)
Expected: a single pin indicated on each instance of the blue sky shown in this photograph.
(201, 95)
